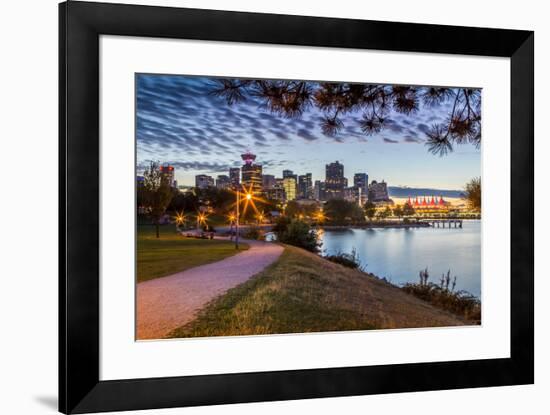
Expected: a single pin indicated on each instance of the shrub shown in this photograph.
(347, 260)
(461, 303)
(253, 232)
(300, 234)
(281, 225)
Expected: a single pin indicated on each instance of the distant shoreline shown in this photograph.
(378, 225)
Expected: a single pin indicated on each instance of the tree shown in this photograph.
(184, 202)
(384, 213)
(373, 102)
(155, 193)
(299, 233)
(295, 209)
(340, 210)
(408, 210)
(398, 211)
(473, 193)
(370, 210)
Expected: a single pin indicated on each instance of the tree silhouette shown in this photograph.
(473, 193)
(408, 210)
(370, 210)
(398, 211)
(375, 103)
(155, 193)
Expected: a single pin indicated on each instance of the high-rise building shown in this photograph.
(277, 193)
(167, 172)
(288, 173)
(235, 177)
(268, 181)
(223, 181)
(305, 188)
(352, 194)
(319, 190)
(361, 181)
(335, 182)
(202, 181)
(378, 192)
(251, 173)
(289, 184)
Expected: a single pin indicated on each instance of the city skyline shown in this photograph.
(180, 123)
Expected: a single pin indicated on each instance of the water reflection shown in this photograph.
(399, 254)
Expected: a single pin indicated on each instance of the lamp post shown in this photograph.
(248, 197)
(201, 218)
(237, 221)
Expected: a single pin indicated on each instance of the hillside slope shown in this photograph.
(302, 292)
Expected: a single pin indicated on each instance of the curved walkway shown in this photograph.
(166, 303)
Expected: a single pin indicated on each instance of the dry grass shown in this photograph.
(302, 293)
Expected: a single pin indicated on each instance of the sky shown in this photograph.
(178, 121)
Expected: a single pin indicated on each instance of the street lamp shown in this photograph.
(200, 219)
(248, 197)
(180, 219)
(231, 218)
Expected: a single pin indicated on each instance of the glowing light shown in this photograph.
(180, 218)
(201, 218)
(247, 197)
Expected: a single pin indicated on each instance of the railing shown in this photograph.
(437, 223)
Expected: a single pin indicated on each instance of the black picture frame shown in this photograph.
(81, 25)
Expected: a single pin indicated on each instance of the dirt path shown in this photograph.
(166, 303)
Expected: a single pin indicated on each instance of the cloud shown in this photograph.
(423, 127)
(306, 135)
(394, 125)
(195, 166)
(178, 119)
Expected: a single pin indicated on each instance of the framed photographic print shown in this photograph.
(261, 207)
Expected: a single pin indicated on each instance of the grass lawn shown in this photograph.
(172, 252)
(302, 293)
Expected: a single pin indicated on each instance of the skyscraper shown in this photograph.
(289, 184)
(168, 174)
(268, 181)
(202, 181)
(251, 173)
(288, 173)
(335, 182)
(305, 188)
(361, 181)
(235, 177)
(351, 194)
(223, 182)
(319, 190)
(378, 192)
(276, 193)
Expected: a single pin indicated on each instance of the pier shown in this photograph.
(441, 223)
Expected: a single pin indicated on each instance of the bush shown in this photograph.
(253, 232)
(347, 260)
(298, 233)
(460, 303)
(281, 225)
